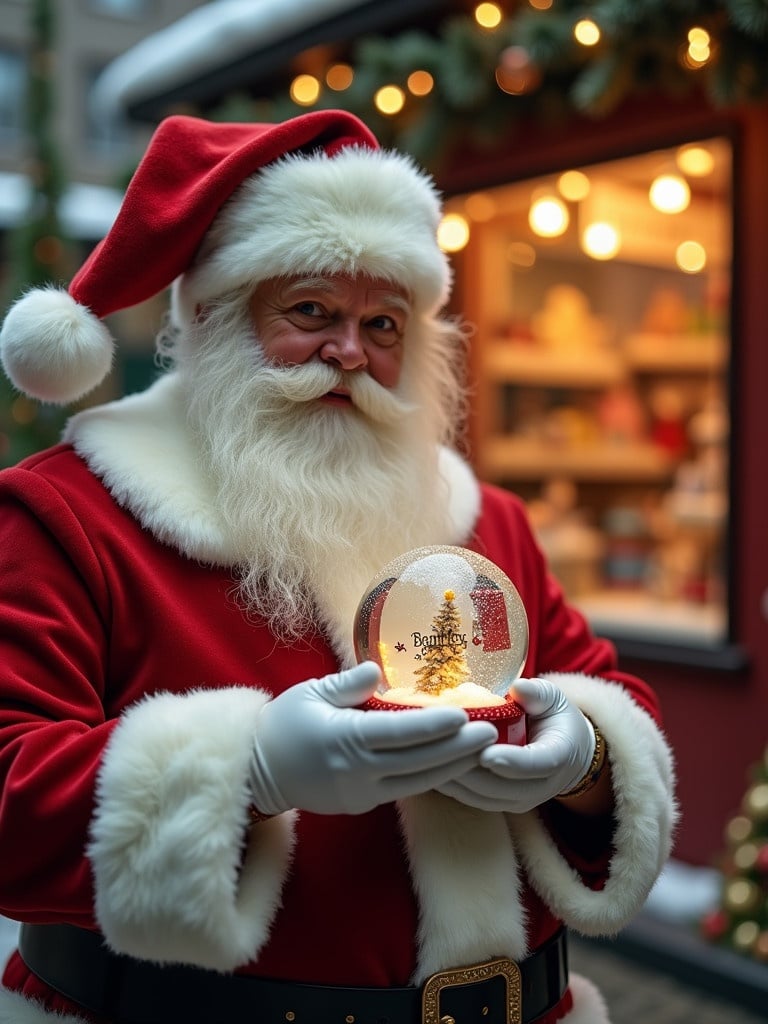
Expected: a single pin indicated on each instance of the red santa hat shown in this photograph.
(215, 206)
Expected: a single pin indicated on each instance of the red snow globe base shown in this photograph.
(508, 717)
(447, 627)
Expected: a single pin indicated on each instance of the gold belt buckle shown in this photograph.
(503, 968)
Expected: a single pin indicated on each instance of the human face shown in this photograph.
(355, 324)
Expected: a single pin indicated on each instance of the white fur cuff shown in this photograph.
(172, 881)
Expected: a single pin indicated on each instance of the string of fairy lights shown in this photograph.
(516, 72)
(485, 67)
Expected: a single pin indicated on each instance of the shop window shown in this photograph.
(601, 299)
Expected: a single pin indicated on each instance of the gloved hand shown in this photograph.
(315, 750)
(559, 751)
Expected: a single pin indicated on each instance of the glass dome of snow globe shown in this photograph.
(446, 626)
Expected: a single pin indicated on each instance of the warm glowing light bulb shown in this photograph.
(389, 99)
(745, 936)
(601, 241)
(573, 185)
(699, 47)
(305, 90)
(548, 217)
(698, 36)
(420, 83)
(698, 54)
(691, 257)
(339, 77)
(696, 161)
(586, 32)
(488, 15)
(452, 232)
(540, 5)
(669, 193)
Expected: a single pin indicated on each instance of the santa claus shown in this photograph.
(199, 823)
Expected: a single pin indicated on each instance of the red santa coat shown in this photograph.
(129, 683)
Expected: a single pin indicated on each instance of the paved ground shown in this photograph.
(640, 995)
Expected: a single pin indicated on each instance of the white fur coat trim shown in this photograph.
(172, 879)
(588, 1004)
(646, 815)
(467, 881)
(142, 449)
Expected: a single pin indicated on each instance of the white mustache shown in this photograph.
(310, 381)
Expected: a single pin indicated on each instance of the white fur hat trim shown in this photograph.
(363, 211)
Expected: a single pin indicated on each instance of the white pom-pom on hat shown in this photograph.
(54, 349)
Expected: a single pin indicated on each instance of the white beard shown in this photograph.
(315, 498)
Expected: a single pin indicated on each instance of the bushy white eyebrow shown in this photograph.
(320, 283)
(396, 302)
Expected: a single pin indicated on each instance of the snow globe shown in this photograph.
(446, 626)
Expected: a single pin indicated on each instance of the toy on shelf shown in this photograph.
(668, 419)
(566, 323)
(667, 312)
(621, 416)
(573, 547)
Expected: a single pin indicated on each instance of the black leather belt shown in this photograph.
(76, 963)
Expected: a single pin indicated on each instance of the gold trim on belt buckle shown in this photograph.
(503, 968)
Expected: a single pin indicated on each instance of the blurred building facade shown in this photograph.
(88, 35)
(97, 153)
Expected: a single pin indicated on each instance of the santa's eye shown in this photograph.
(309, 308)
(383, 323)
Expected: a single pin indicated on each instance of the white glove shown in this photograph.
(559, 751)
(314, 749)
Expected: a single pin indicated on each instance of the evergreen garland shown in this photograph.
(39, 253)
(641, 48)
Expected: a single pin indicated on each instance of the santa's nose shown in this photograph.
(344, 347)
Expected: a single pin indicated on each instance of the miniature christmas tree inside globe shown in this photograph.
(446, 626)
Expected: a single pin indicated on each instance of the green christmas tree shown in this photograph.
(741, 921)
(445, 660)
